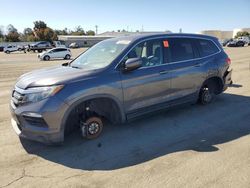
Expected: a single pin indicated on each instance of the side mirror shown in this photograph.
(132, 64)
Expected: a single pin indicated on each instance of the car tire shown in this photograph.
(206, 95)
(40, 51)
(92, 128)
(67, 56)
(46, 58)
(7, 52)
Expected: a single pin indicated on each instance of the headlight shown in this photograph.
(36, 94)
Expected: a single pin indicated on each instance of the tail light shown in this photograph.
(228, 60)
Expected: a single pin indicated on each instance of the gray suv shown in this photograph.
(118, 80)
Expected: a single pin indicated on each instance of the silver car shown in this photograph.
(55, 53)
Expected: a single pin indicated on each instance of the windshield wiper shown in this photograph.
(75, 67)
(65, 64)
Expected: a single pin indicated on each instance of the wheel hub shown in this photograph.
(207, 96)
(93, 128)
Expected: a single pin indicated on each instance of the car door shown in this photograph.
(53, 53)
(42, 44)
(14, 48)
(186, 68)
(146, 88)
(62, 53)
(9, 48)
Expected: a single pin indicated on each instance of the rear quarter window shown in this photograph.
(206, 47)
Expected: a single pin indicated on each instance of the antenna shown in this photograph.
(142, 29)
(96, 29)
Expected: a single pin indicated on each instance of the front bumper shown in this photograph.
(41, 121)
(32, 134)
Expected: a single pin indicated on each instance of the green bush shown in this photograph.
(242, 34)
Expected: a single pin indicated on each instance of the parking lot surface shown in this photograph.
(191, 146)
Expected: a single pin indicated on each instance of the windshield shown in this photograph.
(100, 55)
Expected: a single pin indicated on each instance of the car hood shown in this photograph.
(53, 76)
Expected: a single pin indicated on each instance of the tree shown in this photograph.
(11, 28)
(27, 31)
(242, 34)
(39, 25)
(49, 34)
(27, 35)
(46, 34)
(13, 35)
(62, 32)
(78, 31)
(90, 32)
(42, 32)
(1, 33)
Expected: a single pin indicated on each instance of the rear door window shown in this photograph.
(54, 51)
(206, 47)
(181, 49)
(63, 50)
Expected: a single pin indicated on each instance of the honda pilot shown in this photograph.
(118, 80)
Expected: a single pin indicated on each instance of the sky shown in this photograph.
(151, 15)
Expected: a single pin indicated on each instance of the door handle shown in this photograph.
(163, 72)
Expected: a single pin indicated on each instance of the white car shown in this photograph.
(58, 44)
(55, 53)
(10, 48)
(245, 39)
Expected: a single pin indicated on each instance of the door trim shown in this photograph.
(157, 107)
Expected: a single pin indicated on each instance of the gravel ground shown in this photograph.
(191, 146)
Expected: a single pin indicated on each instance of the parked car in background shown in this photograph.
(45, 45)
(246, 39)
(236, 43)
(39, 46)
(226, 41)
(10, 48)
(55, 53)
(118, 80)
(58, 44)
(13, 48)
(1, 48)
(74, 45)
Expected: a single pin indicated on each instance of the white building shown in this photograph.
(221, 35)
(87, 41)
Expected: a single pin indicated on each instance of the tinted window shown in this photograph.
(180, 49)
(60, 49)
(52, 51)
(150, 52)
(206, 47)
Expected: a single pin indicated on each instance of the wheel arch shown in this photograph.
(218, 81)
(83, 100)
